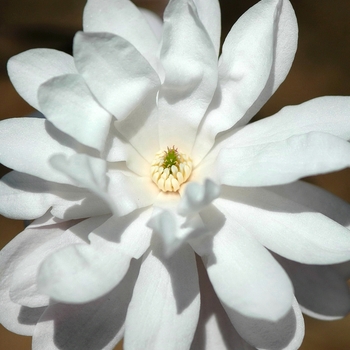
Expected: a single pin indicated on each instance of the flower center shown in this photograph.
(170, 169)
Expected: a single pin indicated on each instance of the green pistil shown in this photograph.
(171, 158)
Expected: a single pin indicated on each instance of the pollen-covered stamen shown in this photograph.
(170, 169)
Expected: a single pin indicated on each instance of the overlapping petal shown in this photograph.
(30, 69)
(83, 272)
(190, 75)
(256, 57)
(67, 102)
(286, 226)
(95, 325)
(243, 273)
(281, 162)
(116, 73)
(164, 308)
(124, 19)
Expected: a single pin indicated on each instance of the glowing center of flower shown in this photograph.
(170, 169)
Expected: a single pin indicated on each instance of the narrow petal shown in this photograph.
(329, 114)
(164, 307)
(190, 65)
(68, 103)
(14, 317)
(214, 329)
(25, 197)
(243, 273)
(95, 325)
(24, 288)
(287, 227)
(29, 69)
(210, 15)
(117, 74)
(81, 273)
(284, 334)
(256, 57)
(281, 162)
(124, 19)
(33, 139)
(155, 22)
(320, 290)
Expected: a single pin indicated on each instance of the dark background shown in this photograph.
(321, 67)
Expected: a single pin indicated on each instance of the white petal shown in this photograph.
(284, 161)
(257, 55)
(140, 128)
(154, 22)
(127, 193)
(288, 228)
(29, 69)
(26, 145)
(286, 41)
(67, 103)
(124, 19)
(81, 273)
(210, 16)
(164, 307)
(317, 199)
(244, 68)
(14, 317)
(197, 197)
(190, 65)
(284, 334)
(117, 74)
(214, 329)
(24, 289)
(243, 273)
(95, 325)
(173, 229)
(320, 290)
(27, 197)
(329, 114)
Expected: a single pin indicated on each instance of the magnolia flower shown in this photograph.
(159, 215)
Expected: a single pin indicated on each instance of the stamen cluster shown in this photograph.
(170, 169)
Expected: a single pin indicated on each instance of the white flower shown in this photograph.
(145, 159)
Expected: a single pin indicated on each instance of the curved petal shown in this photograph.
(29, 152)
(165, 304)
(249, 62)
(124, 19)
(316, 199)
(287, 227)
(14, 317)
(26, 197)
(210, 15)
(95, 325)
(243, 273)
(190, 65)
(197, 197)
(284, 334)
(29, 69)
(320, 290)
(24, 289)
(154, 22)
(81, 273)
(281, 162)
(67, 103)
(117, 74)
(214, 329)
(328, 114)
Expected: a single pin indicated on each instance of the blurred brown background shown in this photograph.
(321, 68)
